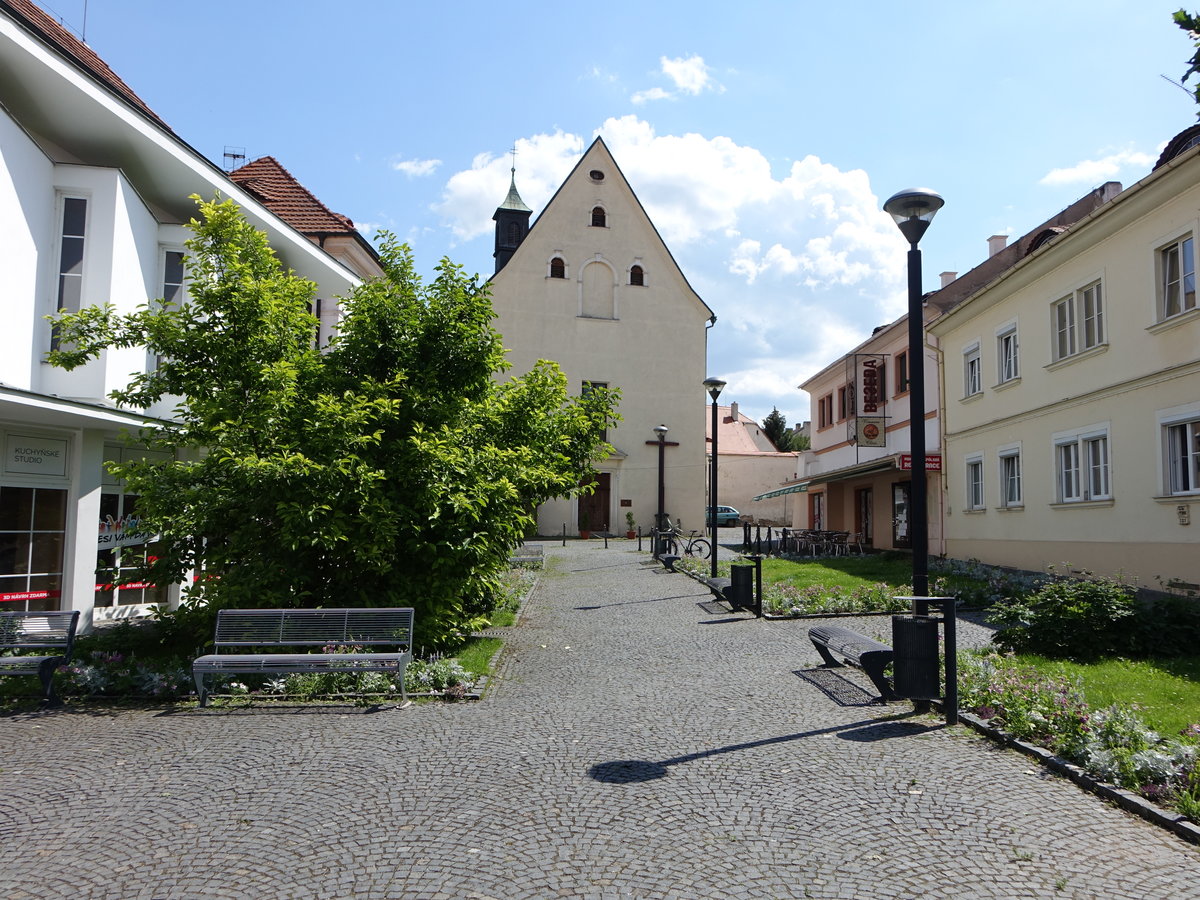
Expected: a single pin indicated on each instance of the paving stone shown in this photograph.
(634, 744)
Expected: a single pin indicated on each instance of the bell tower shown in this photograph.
(512, 221)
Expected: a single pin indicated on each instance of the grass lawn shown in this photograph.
(847, 572)
(1166, 691)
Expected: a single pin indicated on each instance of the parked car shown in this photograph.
(726, 515)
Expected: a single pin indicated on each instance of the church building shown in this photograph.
(592, 286)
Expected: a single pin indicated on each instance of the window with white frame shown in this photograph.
(1182, 443)
(1078, 321)
(972, 373)
(1082, 466)
(974, 472)
(1010, 477)
(1176, 277)
(70, 258)
(1007, 353)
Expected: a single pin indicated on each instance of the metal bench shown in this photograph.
(32, 631)
(270, 632)
(866, 653)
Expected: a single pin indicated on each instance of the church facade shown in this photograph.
(592, 286)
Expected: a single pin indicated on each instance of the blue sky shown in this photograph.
(762, 138)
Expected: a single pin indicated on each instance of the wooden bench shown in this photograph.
(265, 636)
(866, 653)
(32, 631)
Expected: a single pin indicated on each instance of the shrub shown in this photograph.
(1069, 618)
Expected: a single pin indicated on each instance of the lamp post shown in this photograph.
(661, 431)
(713, 386)
(913, 210)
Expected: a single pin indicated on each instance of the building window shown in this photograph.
(901, 372)
(1177, 278)
(972, 373)
(558, 268)
(124, 555)
(596, 175)
(825, 411)
(1183, 457)
(974, 468)
(599, 219)
(33, 524)
(70, 258)
(1081, 466)
(173, 293)
(637, 276)
(1095, 454)
(845, 402)
(1078, 321)
(1010, 478)
(1007, 354)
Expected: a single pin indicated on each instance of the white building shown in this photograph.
(93, 196)
(592, 286)
(749, 466)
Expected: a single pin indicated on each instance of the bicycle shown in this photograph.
(691, 545)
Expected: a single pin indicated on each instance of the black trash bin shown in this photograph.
(915, 667)
(741, 586)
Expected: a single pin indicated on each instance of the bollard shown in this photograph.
(564, 534)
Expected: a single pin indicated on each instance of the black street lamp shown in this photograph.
(713, 386)
(659, 525)
(913, 210)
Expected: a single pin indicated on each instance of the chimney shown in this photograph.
(996, 243)
(948, 277)
(733, 411)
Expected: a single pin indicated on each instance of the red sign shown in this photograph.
(870, 386)
(933, 462)
(28, 595)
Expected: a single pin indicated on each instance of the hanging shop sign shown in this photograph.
(871, 431)
(26, 455)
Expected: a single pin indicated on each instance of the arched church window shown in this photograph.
(558, 268)
(599, 219)
(636, 275)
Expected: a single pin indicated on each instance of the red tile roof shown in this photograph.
(76, 52)
(283, 195)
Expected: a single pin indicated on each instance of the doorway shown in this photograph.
(900, 507)
(864, 519)
(593, 509)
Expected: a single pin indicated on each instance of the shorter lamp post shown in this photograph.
(714, 387)
(661, 431)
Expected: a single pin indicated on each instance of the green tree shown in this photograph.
(775, 427)
(1190, 23)
(392, 469)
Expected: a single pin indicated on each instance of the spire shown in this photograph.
(513, 201)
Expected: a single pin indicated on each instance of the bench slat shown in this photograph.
(38, 630)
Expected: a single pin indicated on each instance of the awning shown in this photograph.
(867, 468)
(790, 489)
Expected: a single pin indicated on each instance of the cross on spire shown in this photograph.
(513, 151)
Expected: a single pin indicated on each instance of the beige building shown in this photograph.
(592, 286)
(748, 465)
(1072, 392)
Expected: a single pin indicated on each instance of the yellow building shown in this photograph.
(1071, 389)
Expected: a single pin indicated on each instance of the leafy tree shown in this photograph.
(392, 469)
(1190, 23)
(775, 427)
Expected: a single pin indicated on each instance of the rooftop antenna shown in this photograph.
(83, 36)
(234, 157)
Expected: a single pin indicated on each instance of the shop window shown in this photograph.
(124, 549)
(32, 534)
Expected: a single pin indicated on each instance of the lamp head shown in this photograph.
(661, 431)
(913, 210)
(714, 386)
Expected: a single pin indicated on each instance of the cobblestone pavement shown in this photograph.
(639, 742)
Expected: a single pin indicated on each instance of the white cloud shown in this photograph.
(416, 168)
(1094, 171)
(656, 93)
(689, 76)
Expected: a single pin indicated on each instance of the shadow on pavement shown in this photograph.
(838, 688)
(631, 771)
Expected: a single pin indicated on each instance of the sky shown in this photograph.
(761, 137)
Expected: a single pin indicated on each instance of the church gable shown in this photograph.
(595, 234)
